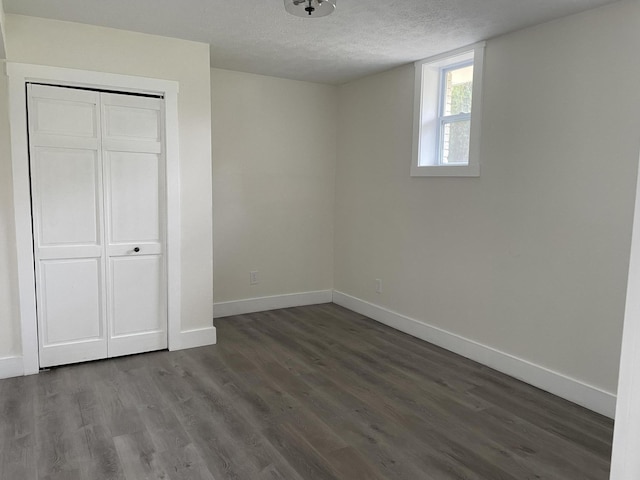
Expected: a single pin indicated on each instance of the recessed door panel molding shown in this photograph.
(136, 295)
(132, 188)
(65, 118)
(67, 184)
(65, 320)
(63, 112)
(98, 204)
(132, 123)
(138, 119)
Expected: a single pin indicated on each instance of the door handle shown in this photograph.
(137, 249)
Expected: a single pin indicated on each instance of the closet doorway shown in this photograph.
(98, 201)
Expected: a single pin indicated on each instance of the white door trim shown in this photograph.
(19, 74)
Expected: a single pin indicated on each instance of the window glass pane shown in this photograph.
(455, 143)
(458, 88)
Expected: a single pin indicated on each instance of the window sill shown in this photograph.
(445, 171)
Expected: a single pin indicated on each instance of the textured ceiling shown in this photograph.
(360, 38)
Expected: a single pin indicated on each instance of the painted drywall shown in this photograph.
(9, 337)
(530, 258)
(3, 43)
(64, 44)
(274, 156)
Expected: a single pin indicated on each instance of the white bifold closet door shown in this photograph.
(97, 187)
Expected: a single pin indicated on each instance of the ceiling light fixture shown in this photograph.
(310, 8)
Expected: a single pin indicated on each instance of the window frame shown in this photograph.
(428, 109)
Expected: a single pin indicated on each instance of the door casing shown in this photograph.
(19, 75)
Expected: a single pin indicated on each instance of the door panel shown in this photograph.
(68, 320)
(136, 295)
(64, 112)
(134, 203)
(67, 186)
(127, 119)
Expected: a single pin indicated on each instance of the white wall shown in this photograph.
(3, 49)
(9, 334)
(530, 258)
(274, 155)
(63, 44)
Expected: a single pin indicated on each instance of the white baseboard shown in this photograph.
(553, 382)
(11, 367)
(199, 337)
(14, 367)
(261, 304)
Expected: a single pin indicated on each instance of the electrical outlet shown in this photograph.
(378, 285)
(253, 278)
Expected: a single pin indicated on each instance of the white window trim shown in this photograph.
(420, 150)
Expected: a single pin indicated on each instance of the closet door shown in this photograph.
(66, 184)
(133, 169)
(97, 182)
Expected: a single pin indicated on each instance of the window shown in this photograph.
(447, 114)
(454, 121)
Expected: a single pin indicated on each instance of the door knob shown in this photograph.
(137, 249)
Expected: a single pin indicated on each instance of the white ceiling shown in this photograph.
(360, 38)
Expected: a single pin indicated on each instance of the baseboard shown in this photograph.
(553, 382)
(11, 367)
(261, 304)
(199, 337)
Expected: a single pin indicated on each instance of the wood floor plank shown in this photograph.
(185, 463)
(164, 428)
(138, 457)
(304, 393)
(18, 460)
(61, 443)
(120, 418)
(299, 452)
(104, 462)
(350, 464)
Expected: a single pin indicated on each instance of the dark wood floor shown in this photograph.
(297, 394)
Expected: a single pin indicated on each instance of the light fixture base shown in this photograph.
(310, 8)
